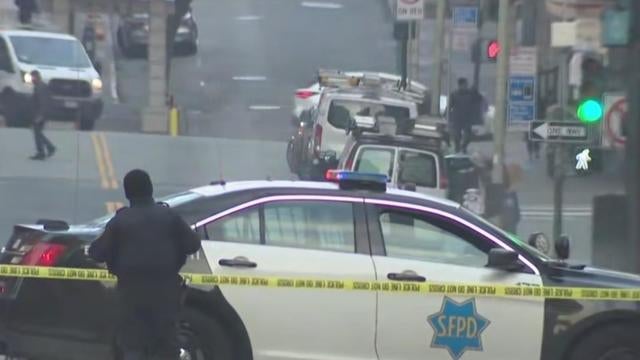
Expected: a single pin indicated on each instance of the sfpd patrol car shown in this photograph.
(355, 231)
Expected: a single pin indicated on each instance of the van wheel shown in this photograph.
(202, 338)
(612, 342)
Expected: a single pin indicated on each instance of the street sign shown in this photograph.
(409, 10)
(465, 16)
(521, 88)
(616, 27)
(522, 99)
(523, 60)
(559, 131)
(521, 112)
(616, 114)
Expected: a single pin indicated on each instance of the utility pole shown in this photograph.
(500, 121)
(559, 149)
(438, 47)
(477, 64)
(633, 138)
(404, 56)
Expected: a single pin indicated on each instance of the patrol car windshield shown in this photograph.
(35, 50)
(515, 239)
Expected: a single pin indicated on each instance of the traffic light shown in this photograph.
(493, 50)
(589, 106)
(590, 110)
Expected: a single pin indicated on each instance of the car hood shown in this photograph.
(595, 276)
(54, 72)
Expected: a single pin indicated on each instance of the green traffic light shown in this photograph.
(590, 110)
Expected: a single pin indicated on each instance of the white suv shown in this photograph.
(74, 83)
(336, 112)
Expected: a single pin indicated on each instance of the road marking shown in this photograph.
(264, 107)
(249, 78)
(248, 18)
(99, 160)
(103, 159)
(321, 5)
(113, 206)
(107, 157)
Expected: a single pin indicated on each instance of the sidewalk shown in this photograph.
(9, 17)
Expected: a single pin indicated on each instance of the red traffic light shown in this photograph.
(493, 49)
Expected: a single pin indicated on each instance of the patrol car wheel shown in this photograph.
(613, 342)
(202, 338)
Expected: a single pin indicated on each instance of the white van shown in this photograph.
(74, 83)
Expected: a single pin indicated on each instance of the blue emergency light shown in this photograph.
(350, 180)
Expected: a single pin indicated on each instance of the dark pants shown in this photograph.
(461, 134)
(42, 141)
(148, 321)
(25, 13)
(533, 147)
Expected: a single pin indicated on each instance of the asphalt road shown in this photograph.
(252, 53)
(255, 53)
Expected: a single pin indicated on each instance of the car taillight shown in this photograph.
(317, 139)
(43, 254)
(444, 182)
(305, 94)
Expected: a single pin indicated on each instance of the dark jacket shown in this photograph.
(466, 107)
(41, 99)
(145, 241)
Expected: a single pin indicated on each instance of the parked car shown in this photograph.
(133, 34)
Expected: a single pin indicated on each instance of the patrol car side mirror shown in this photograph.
(563, 247)
(540, 242)
(503, 259)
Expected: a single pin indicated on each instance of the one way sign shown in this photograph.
(558, 131)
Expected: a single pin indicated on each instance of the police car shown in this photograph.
(351, 228)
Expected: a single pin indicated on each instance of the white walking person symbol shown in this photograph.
(583, 159)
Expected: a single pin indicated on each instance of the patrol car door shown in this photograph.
(299, 237)
(421, 169)
(423, 245)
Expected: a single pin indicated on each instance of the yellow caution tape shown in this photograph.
(434, 288)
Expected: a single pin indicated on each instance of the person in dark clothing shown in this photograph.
(533, 147)
(26, 8)
(40, 103)
(465, 109)
(145, 246)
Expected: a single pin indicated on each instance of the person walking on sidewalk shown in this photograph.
(465, 107)
(26, 8)
(40, 102)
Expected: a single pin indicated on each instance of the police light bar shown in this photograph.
(350, 180)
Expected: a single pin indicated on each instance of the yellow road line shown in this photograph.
(113, 182)
(100, 161)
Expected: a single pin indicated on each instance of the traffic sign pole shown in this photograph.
(633, 143)
(438, 49)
